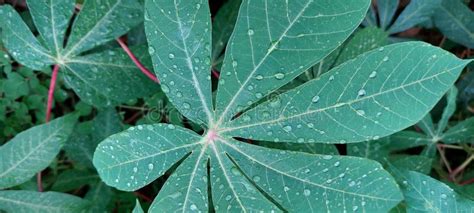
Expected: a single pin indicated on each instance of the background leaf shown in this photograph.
(417, 11)
(47, 202)
(387, 9)
(33, 150)
(454, 20)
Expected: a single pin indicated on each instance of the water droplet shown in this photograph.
(228, 197)
(444, 196)
(171, 56)
(258, 95)
(151, 50)
(352, 183)
(186, 105)
(360, 112)
(286, 188)
(256, 178)
(354, 208)
(135, 169)
(193, 207)
(385, 58)
(337, 164)
(250, 32)
(327, 157)
(362, 92)
(234, 63)
(373, 74)
(150, 166)
(165, 88)
(306, 192)
(287, 128)
(235, 171)
(331, 78)
(315, 99)
(279, 76)
(381, 49)
(259, 77)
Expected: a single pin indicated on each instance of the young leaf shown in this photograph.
(73, 179)
(454, 20)
(416, 163)
(425, 194)
(178, 36)
(354, 102)
(30, 201)
(275, 41)
(93, 27)
(387, 9)
(53, 18)
(20, 42)
(33, 150)
(418, 11)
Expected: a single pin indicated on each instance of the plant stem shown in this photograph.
(216, 74)
(443, 158)
(461, 167)
(49, 105)
(136, 61)
(52, 84)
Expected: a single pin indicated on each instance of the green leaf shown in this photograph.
(73, 179)
(222, 27)
(303, 182)
(387, 9)
(426, 124)
(101, 21)
(363, 41)
(425, 194)
(273, 42)
(414, 163)
(463, 132)
(454, 20)
(20, 42)
(448, 110)
(80, 146)
(134, 158)
(15, 86)
(52, 18)
(99, 196)
(47, 202)
(33, 150)
(138, 208)
(107, 78)
(354, 102)
(106, 123)
(179, 44)
(418, 11)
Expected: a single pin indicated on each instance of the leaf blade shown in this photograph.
(364, 98)
(180, 50)
(31, 201)
(33, 150)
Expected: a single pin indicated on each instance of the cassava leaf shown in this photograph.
(20, 42)
(416, 163)
(99, 196)
(136, 157)
(100, 21)
(52, 19)
(179, 44)
(426, 124)
(44, 202)
(33, 150)
(417, 11)
(222, 27)
(354, 102)
(107, 78)
(463, 132)
(448, 110)
(275, 41)
(73, 179)
(425, 194)
(454, 20)
(386, 10)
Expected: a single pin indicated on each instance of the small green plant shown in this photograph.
(273, 106)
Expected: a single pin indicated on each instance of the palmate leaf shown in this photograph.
(417, 11)
(387, 9)
(273, 42)
(40, 202)
(354, 102)
(33, 150)
(283, 40)
(98, 78)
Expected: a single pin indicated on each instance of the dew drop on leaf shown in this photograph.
(306, 192)
(362, 92)
(279, 76)
(315, 99)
